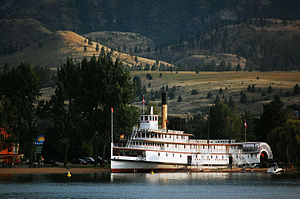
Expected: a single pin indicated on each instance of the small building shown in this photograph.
(9, 151)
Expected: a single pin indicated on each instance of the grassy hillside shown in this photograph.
(265, 44)
(52, 50)
(126, 42)
(197, 61)
(17, 34)
(232, 83)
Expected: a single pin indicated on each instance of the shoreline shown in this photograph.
(51, 170)
(59, 170)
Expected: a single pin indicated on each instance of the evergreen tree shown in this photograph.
(273, 116)
(19, 92)
(179, 98)
(296, 90)
(194, 92)
(217, 100)
(138, 85)
(238, 67)
(270, 89)
(244, 98)
(231, 103)
(209, 95)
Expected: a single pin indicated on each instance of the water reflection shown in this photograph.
(145, 185)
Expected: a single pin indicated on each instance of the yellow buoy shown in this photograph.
(69, 174)
(152, 173)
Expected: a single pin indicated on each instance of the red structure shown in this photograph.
(9, 152)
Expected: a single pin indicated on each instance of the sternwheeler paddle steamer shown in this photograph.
(150, 148)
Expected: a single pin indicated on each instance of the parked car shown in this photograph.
(79, 161)
(89, 160)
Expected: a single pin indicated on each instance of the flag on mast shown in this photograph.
(112, 109)
(143, 99)
(245, 124)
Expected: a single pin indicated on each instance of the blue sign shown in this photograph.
(40, 140)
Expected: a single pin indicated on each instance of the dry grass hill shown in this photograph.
(52, 48)
(231, 83)
(122, 41)
(202, 59)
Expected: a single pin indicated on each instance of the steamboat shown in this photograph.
(153, 149)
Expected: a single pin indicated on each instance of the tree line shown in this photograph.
(76, 120)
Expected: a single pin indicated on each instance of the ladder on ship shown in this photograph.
(244, 160)
(133, 135)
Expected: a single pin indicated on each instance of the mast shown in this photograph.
(112, 130)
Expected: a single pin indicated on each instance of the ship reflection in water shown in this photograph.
(147, 185)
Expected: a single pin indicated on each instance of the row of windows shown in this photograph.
(174, 145)
(156, 135)
(248, 156)
(148, 117)
(203, 157)
(172, 155)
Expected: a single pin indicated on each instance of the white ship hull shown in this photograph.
(129, 166)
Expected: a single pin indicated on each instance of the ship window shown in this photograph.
(158, 154)
(211, 157)
(175, 145)
(166, 155)
(167, 145)
(170, 136)
(146, 118)
(180, 155)
(150, 118)
(183, 146)
(165, 136)
(196, 156)
(173, 155)
(142, 118)
(176, 136)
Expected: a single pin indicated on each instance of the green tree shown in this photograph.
(296, 89)
(285, 142)
(19, 90)
(105, 84)
(138, 85)
(273, 116)
(62, 112)
(231, 103)
(220, 117)
(179, 98)
(244, 98)
(209, 95)
(194, 92)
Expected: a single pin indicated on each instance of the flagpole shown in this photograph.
(143, 104)
(112, 130)
(245, 124)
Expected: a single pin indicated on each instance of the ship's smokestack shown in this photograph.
(164, 110)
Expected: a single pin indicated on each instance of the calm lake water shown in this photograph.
(163, 185)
